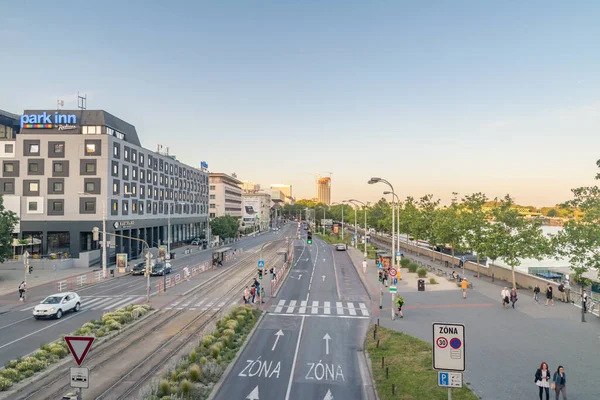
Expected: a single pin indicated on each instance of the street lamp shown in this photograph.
(397, 218)
(340, 204)
(379, 180)
(365, 206)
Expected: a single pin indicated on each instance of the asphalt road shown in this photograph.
(307, 346)
(21, 334)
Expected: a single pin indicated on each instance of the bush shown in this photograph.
(24, 366)
(59, 351)
(12, 364)
(108, 316)
(5, 384)
(233, 325)
(163, 388)
(432, 281)
(404, 263)
(413, 267)
(89, 325)
(194, 373)
(113, 325)
(208, 340)
(10, 373)
(185, 387)
(42, 354)
(215, 349)
(228, 332)
(100, 333)
(422, 272)
(193, 356)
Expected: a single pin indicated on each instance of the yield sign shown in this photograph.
(79, 346)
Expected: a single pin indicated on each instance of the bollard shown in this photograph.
(377, 321)
(377, 343)
(393, 388)
(382, 361)
(492, 277)
(374, 334)
(387, 375)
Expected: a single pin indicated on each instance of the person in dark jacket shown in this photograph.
(560, 382)
(513, 297)
(549, 291)
(542, 380)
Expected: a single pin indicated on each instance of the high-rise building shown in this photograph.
(285, 189)
(324, 190)
(225, 196)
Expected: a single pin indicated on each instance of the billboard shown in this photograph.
(122, 262)
(251, 209)
(335, 228)
(326, 222)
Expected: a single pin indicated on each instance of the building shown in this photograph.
(257, 210)
(324, 190)
(290, 200)
(66, 169)
(225, 196)
(285, 189)
(250, 187)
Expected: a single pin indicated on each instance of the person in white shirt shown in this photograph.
(505, 297)
(364, 265)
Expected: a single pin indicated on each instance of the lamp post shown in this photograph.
(378, 180)
(365, 206)
(397, 223)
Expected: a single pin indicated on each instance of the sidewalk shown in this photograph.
(503, 343)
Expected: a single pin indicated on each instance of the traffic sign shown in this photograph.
(380, 265)
(79, 346)
(393, 272)
(450, 379)
(392, 289)
(398, 254)
(80, 378)
(463, 258)
(261, 263)
(449, 358)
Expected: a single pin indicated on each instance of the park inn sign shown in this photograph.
(49, 120)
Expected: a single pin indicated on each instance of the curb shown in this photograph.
(45, 373)
(227, 371)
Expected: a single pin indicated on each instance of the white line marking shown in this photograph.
(192, 309)
(340, 308)
(364, 309)
(221, 304)
(302, 307)
(39, 330)
(315, 307)
(290, 309)
(28, 308)
(326, 316)
(351, 309)
(198, 304)
(280, 306)
(327, 308)
(118, 304)
(289, 388)
(99, 305)
(309, 286)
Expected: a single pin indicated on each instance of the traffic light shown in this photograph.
(30, 269)
(95, 235)
(309, 238)
(260, 273)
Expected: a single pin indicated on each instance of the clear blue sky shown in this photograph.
(435, 96)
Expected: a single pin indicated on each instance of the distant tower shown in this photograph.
(324, 190)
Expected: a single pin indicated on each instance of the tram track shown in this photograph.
(50, 387)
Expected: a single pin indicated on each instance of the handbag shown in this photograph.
(553, 386)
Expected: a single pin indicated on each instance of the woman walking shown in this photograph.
(549, 294)
(542, 380)
(560, 382)
(513, 297)
(536, 293)
(505, 294)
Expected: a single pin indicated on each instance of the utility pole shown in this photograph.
(104, 261)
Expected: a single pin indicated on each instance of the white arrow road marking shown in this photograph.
(328, 396)
(323, 278)
(327, 338)
(278, 334)
(253, 394)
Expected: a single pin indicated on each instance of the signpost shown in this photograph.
(464, 260)
(261, 263)
(79, 346)
(449, 354)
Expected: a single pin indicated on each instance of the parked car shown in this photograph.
(340, 247)
(139, 269)
(55, 305)
(161, 269)
(196, 242)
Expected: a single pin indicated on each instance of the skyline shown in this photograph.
(435, 98)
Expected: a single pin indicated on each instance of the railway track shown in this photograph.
(53, 387)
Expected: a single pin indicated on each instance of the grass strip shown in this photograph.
(408, 360)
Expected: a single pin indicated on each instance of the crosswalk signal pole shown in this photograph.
(393, 311)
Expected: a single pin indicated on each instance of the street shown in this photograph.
(308, 345)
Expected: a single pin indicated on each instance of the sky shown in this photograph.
(434, 96)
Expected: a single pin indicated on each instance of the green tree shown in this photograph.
(225, 226)
(476, 224)
(422, 225)
(515, 237)
(448, 227)
(8, 220)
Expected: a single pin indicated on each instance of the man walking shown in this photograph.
(464, 284)
(22, 289)
(399, 303)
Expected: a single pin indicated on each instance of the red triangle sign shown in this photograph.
(79, 346)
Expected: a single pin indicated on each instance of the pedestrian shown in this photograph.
(272, 272)
(385, 277)
(513, 297)
(364, 265)
(399, 303)
(585, 300)
(464, 284)
(505, 294)
(246, 295)
(549, 294)
(253, 293)
(186, 273)
(542, 380)
(536, 293)
(22, 289)
(560, 382)
(563, 292)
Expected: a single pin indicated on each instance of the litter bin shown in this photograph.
(421, 285)
(172, 255)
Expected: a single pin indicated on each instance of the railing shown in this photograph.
(592, 304)
(176, 279)
(76, 282)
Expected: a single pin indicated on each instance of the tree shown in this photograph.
(551, 213)
(225, 226)
(476, 224)
(513, 237)
(448, 227)
(8, 220)
(422, 225)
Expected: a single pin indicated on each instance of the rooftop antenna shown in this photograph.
(59, 104)
(81, 101)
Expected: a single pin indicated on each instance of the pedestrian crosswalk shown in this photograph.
(333, 308)
(105, 303)
(198, 304)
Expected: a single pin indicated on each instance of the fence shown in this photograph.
(76, 282)
(176, 279)
(280, 273)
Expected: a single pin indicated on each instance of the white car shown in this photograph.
(55, 305)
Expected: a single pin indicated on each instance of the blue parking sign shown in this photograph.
(442, 378)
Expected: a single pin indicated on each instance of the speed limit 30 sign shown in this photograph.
(448, 347)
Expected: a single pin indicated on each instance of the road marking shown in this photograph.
(364, 309)
(280, 306)
(198, 304)
(99, 304)
(315, 307)
(118, 303)
(309, 286)
(351, 309)
(289, 388)
(92, 301)
(327, 308)
(221, 304)
(303, 307)
(340, 307)
(290, 309)
(235, 303)
(326, 316)
(207, 306)
(192, 309)
(15, 322)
